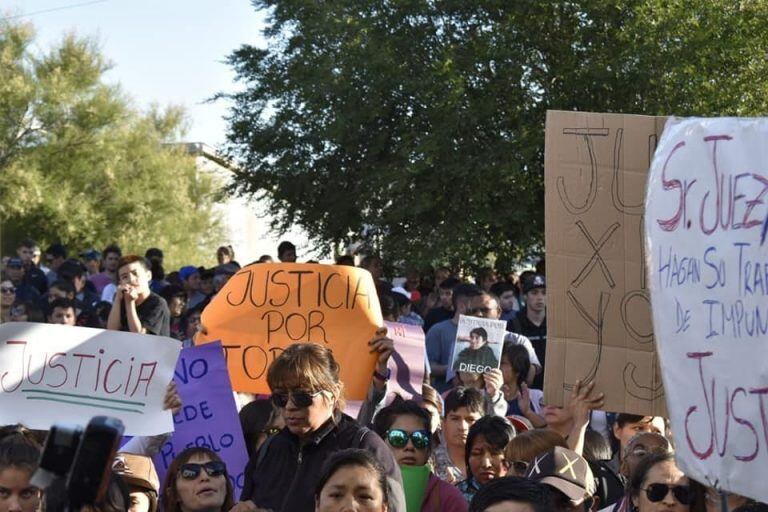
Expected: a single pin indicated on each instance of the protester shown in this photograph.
(55, 255)
(531, 321)
(626, 427)
(14, 272)
(190, 279)
(176, 299)
(433, 404)
(259, 420)
(570, 480)
(34, 276)
(197, 481)
(658, 484)
(92, 261)
(305, 385)
(405, 426)
(463, 407)
(521, 400)
(286, 252)
(352, 479)
(7, 298)
(507, 294)
(106, 282)
(136, 308)
(63, 311)
(511, 494)
(478, 353)
(24, 311)
(443, 310)
(484, 453)
(225, 254)
(139, 474)
(526, 446)
(19, 455)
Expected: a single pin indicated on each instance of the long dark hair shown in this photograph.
(352, 457)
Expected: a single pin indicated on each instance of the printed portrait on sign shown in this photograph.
(478, 345)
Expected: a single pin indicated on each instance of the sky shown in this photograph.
(163, 51)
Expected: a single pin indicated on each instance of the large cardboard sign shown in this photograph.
(707, 249)
(266, 307)
(598, 311)
(63, 374)
(208, 417)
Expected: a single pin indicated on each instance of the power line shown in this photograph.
(63, 8)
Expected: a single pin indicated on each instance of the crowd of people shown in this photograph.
(470, 442)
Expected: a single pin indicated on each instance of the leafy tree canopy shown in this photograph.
(79, 166)
(418, 126)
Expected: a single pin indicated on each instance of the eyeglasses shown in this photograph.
(7, 289)
(190, 471)
(299, 398)
(398, 438)
(657, 492)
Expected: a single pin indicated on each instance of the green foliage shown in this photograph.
(418, 126)
(78, 165)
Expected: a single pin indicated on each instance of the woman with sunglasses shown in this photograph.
(197, 481)
(405, 427)
(7, 296)
(657, 485)
(306, 389)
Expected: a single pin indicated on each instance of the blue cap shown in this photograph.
(185, 272)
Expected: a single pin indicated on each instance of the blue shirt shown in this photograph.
(440, 342)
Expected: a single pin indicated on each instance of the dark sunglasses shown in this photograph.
(299, 398)
(399, 438)
(657, 492)
(190, 471)
(7, 289)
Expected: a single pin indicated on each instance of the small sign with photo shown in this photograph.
(478, 344)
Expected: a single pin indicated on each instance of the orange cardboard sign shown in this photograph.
(266, 307)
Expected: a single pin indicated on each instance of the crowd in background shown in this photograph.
(479, 442)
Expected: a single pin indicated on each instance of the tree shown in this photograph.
(78, 165)
(418, 126)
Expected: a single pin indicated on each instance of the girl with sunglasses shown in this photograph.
(307, 391)
(197, 481)
(405, 427)
(657, 484)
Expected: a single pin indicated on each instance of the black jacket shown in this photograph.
(283, 478)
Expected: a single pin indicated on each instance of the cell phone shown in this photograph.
(89, 475)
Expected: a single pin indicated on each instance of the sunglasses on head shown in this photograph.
(398, 438)
(190, 471)
(299, 398)
(657, 492)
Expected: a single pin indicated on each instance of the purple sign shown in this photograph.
(208, 417)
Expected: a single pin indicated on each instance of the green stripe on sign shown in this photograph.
(86, 404)
(73, 395)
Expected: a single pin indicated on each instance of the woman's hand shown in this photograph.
(172, 400)
(384, 346)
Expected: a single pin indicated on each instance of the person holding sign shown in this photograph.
(406, 428)
(136, 308)
(478, 355)
(305, 385)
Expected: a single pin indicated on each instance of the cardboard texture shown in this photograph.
(598, 309)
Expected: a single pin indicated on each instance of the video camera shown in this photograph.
(75, 464)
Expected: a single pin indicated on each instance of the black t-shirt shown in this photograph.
(538, 336)
(436, 315)
(153, 315)
(482, 357)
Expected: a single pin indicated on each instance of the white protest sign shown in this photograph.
(63, 374)
(705, 224)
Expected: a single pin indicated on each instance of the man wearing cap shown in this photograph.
(14, 271)
(92, 261)
(569, 478)
(190, 278)
(531, 321)
(136, 308)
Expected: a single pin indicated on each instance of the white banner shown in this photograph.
(62, 374)
(707, 255)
